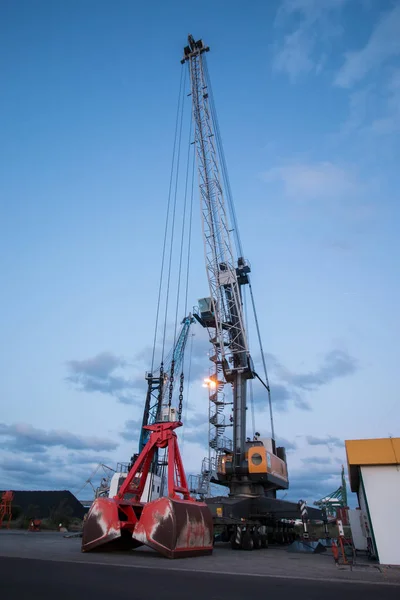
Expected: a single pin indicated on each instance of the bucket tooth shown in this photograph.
(176, 528)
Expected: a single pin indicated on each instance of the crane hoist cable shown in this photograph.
(183, 239)
(224, 168)
(190, 230)
(173, 223)
(271, 416)
(246, 317)
(189, 241)
(186, 404)
(236, 233)
(172, 363)
(166, 222)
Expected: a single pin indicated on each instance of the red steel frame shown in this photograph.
(5, 507)
(176, 525)
(162, 436)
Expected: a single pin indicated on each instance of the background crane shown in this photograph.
(157, 383)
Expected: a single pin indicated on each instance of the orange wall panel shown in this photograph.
(382, 451)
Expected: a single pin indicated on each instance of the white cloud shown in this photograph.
(390, 121)
(314, 181)
(315, 26)
(374, 110)
(22, 437)
(383, 44)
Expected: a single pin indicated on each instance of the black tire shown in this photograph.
(247, 541)
(225, 537)
(234, 545)
(256, 541)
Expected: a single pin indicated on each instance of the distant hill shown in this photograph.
(43, 503)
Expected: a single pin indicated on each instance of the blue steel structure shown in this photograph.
(158, 382)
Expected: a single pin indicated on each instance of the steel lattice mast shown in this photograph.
(225, 275)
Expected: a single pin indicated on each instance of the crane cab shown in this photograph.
(205, 315)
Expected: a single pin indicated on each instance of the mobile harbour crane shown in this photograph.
(253, 470)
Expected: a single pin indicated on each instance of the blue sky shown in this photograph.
(308, 96)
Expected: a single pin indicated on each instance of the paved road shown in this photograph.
(26, 579)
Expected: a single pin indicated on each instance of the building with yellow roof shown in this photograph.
(374, 474)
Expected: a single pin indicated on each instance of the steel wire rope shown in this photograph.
(166, 224)
(224, 168)
(89, 479)
(183, 236)
(239, 247)
(246, 317)
(186, 404)
(173, 228)
(271, 415)
(189, 239)
(190, 233)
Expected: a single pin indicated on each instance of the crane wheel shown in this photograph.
(256, 540)
(247, 541)
(234, 544)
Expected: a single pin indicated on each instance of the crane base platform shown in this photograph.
(258, 507)
(249, 523)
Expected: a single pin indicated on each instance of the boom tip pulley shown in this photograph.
(193, 48)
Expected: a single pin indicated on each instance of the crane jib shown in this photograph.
(222, 313)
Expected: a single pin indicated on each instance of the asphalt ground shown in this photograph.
(30, 578)
(51, 560)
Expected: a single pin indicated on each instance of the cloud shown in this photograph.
(313, 26)
(97, 374)
(41, 478)
(281, 396)
(311, 485)
(99, 367)
(314, 181)
(132, 430)
(374, 111)
(81, 458)
(317, 460)
(24, 466)
(383, 44)
(313, 480)
(389, 121)
(287, 444)
(195, 429)
(329, 441)
(51, 471)
(335, 364)
(21, 437)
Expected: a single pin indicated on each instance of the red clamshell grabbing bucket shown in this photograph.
(107, 528)
(176, 528)
(173, 525)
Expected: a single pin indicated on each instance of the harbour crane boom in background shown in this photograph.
(157, 385)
